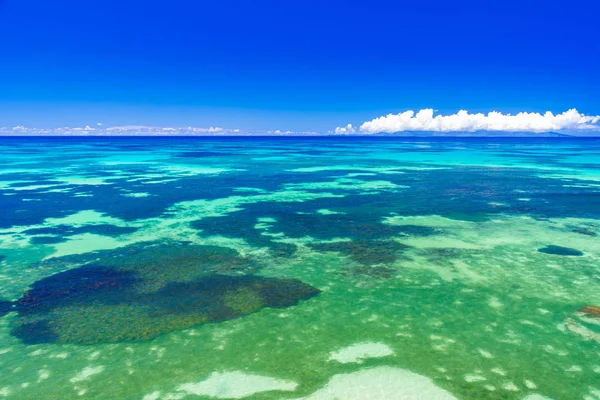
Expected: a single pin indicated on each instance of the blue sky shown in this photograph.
(291, 65)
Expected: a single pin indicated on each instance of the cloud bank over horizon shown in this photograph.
(463, 121)
(125, 130)
(144, 130)
(570, 122)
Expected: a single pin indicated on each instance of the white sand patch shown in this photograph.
(266, 220)
(346, 184)
(381, 170)
(82, 180)
(382, 383)
(5, 350)
(86, 373)
(85, 217)
(358, 352)
(495, 302)
(152, 396)
(465, 270)
(553, 350)
(183, 170)
(140, 194)
(324, 211)
(530, 384)
(236, 385)
(474, 378)
(85, 243)
(32, 187)
(536, 397)
(249, 189)
(355, 174)
(43, 374)
(485, 353)
(593, 395)
(581, 330)
(510, 387)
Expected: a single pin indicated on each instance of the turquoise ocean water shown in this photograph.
(300, 268)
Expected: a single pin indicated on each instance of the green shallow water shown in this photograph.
(428, 259)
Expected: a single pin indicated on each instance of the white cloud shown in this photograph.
(126, 130)
(292, 133)
(142, 130)
(462, 121)
(345, 129)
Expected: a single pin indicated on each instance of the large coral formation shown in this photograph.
(141, 293)
(560, 251)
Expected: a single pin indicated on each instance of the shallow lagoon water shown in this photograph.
(290, 268)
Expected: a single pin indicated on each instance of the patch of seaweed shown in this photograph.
(141, 292)
(366, 252)
(583, 231)
(69, 286)
(561, 251)
(47, 239)
(35, 332)
(590, 311)
(103, 314)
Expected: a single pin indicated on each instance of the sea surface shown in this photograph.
(300, 268)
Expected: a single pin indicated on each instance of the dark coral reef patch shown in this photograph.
(141, 292)
(5, 307)
(560, 251)
(47, 239)
(372, 239)
(584, 231)
(365, 252)
(590, 311)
